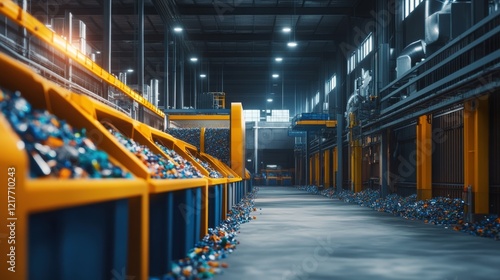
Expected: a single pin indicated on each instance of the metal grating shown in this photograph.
(448, 155)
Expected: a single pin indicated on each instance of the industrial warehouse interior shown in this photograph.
(247, 139)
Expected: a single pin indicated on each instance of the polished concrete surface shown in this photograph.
(299, 236)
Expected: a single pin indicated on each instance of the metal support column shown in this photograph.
(340, 152)
(181, 82)
(195, 85)
(384, 171)
(320, 165)
(174, 93)
(476, 153)
(256, 148)
(166, 67)
(334, 167)
(69, 63)
(24, 42)
(306, 173)
(140, 54)
(106, 43)
(383, 53)
(326, 168)
(424, 157)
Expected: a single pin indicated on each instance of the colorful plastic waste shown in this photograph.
(53, 146)
(205, 260)
(442, 211)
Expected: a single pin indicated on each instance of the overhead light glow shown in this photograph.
(177, 29)
(279, 59)
(276, 76)
(287, 29)
(292, 44)
(203, 75)
(269, 100)
(194, 59)
(130, 70)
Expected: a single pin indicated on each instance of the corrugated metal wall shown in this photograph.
(495, 154)
(448, 154)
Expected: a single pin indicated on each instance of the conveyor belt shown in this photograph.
(302, 236)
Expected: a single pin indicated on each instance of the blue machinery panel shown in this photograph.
(215, 205)
(80, 242)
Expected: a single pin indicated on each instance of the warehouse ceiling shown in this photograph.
(235, 41)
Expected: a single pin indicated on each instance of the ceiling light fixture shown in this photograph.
(203, 76)
(292, 44)
(269, 100)
(276, 76)
(177, 29)
(278, 59)
(130, 70)
(193, 59)
(286, 29)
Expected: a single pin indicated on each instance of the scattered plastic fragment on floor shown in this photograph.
(442, 211)
(206, 259)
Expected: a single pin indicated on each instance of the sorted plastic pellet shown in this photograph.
(159, 166)
(218, 143)
(180, 162)
(189, 135)
(54, 147)
(205, 260)
(443, 211)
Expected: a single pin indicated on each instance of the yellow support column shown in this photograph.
(424, 158)
(310, 171)
(335, 168)
(237, 139)
(476, 157)
(202, 139)
(356, 157)
(317, 168)
(356, 162)
(326, 158)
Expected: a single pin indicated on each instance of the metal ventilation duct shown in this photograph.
(410, 55)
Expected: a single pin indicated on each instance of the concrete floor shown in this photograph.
(299, 236)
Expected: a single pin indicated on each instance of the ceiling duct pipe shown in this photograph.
(450, 21)
(410, 55)
(437, 22)
(416, 51)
